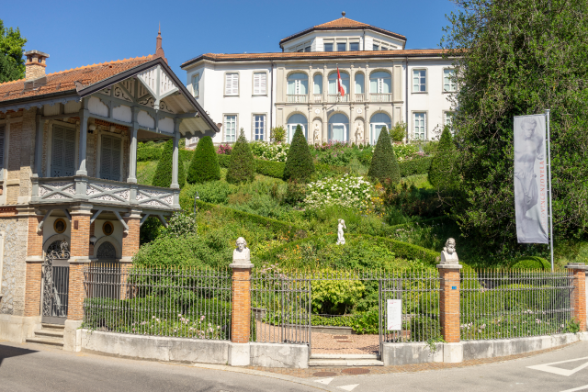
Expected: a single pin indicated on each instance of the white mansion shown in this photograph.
(384, 84)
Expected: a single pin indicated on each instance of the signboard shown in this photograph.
(394, 311)
(530, 179)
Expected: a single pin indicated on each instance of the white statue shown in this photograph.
(449, 254)
(340, 227)
(241, 255)
(359, 132)
(317, 133)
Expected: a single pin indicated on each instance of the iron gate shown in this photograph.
(55, 283)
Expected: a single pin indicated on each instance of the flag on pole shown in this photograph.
(340, 84)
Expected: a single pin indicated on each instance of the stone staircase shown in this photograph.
(331, 360)
(50, 334)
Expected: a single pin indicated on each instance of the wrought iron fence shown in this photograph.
(502, 304)
(192, 303)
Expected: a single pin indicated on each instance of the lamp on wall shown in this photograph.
(93, 240)
(91, 128)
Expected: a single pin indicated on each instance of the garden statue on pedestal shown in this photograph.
(449, 254)
(340, 227)
(241, 255)
(359, 133)
(317, 133)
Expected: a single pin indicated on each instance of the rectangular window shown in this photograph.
(341, 46)
(63, 152)
(259, 83)
(449, 121)
(196, 85)
(354, 46)
(232, 84)
(328, 47)
(258, 126)
(419, 80)
(420, 130)
(110, 158)
(376, 47)
(307, 49)
(448, 80)
(230, 128)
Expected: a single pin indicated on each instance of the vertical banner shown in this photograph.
(530, 179)
(394, 311)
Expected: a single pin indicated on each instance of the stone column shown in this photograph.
(578, 299)
(84, 114)
(325, 85)
(449, 312)
(175, 157)
(239, 351)
(352, 84)
(34, 268)
(133, 155)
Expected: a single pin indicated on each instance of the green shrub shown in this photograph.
(530, 262)
(443, 172)
(241, 166)
(150, 153)
(181, 223)
(163, 173)
(424, 328)
(223, 160)
(384, 165)
(415, 166)
(204, 166)
(216, 192)
(269, 168)
(277, 134)
(335, 296)
(398, 132)
(295, 193)
(299, 165)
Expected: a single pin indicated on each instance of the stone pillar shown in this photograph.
(80, 258)
(130, 246)
(84, 114)
(578, 299)
(239, 351)
(34, 268)
(449, 312)
(133, 155)
(176, 153)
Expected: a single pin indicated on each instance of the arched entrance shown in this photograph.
(294, 121)
(55, 287)
(377, 122)
(106, 281)
(339, 128)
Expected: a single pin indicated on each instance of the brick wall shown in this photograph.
(241, 313)
(76, 294)
(131, 240)
(33, 289)
(449, 304)
(35, 241)
(80, 237)
(578, 300)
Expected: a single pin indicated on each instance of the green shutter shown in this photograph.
(63, 152)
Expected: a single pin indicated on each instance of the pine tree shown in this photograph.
(204, 166)
(384, 163)
(163, 173)
(299, 165)
(241, 166)
(443, 171)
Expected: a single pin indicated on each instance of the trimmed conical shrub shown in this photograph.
(163, 173)
(241, 166)
(443, 170)
(384, 163)
(204, 166)
(299, 165)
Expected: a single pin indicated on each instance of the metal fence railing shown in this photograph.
(192, 303)
(286, 305)
(502, 304)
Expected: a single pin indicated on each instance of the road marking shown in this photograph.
(325, 381)
(576, 389)
(349, 387)
(549, 368)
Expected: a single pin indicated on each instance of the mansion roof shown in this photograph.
(343, 24)
(219, 57)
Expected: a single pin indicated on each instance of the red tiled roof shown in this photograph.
(316, 55)
(65, 80)
(341, 24)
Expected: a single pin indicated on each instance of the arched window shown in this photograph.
(377, 122)
(297, 87)
(318, 84)
(333, 91)
(359, 87)
(295, 120)
(339, 128)
(380, 87)
(106, 251)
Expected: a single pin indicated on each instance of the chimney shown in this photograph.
(35, 65)
(158, 48)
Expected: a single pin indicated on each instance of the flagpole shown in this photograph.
(549, 181)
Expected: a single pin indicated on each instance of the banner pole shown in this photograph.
(549, 180)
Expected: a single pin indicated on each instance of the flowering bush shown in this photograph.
(226, 149)
(270, 152)
(185, 326)
(346, 191)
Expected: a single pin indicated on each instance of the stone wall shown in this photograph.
(14, 265)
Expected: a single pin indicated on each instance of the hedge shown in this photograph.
(530, 262)
(223, 160)
(269, 168)
(154, 154)
(415, 166)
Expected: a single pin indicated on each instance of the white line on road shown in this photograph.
(349, 387)
(325, 381)
(576, 389)
(549, 368)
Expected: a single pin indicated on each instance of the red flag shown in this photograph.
(340, 84)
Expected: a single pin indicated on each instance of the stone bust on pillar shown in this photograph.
(449, 253)
(241, 255)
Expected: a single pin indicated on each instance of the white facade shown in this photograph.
(255, 92)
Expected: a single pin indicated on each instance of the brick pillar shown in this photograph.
(239, 352)
(34, 268)
(449, 311)
(130, 246)
(80, 258)
(578, 299)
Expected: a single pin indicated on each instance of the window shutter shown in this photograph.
(256, 83)
(231, 84)
(63, 152)
(116, 159)
(110, 162)
(262, 83)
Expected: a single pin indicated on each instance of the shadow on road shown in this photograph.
(9, 351)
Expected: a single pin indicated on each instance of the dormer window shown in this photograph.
(354, 46)
(376, 47)
(328, 46)
(341, 46)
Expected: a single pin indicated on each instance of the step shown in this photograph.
(53, 326)
(344, 356)
(46, 340)
(50, 332)
(343, 362)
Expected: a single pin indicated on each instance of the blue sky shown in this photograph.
(77, 33)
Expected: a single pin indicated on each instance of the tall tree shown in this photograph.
(299, 165)
(384, 164)
(519, 57)
(12, 66)
(443, 170)
(241, 165)
(163, 172)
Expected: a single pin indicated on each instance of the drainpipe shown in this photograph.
(406, 101)
(271, 94)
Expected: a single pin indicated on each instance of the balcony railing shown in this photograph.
(51, 190)
(379, 97)
(359, 97)
(317, 98)
(297, 98)
(337, 98)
